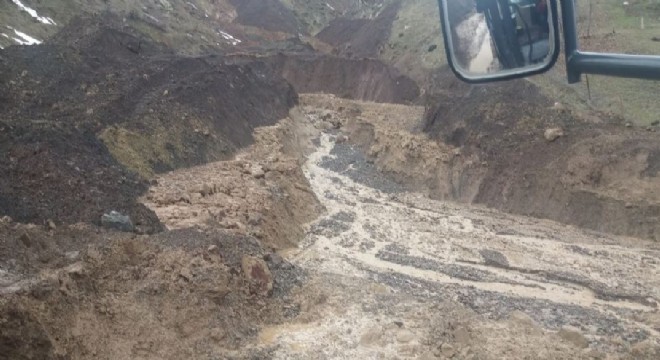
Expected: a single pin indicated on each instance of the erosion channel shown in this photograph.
(394, 274)
(308, 180)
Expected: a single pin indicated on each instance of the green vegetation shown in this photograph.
(616, 27)
(416, 44)
(175, 23)
(315, 15)
(612, 27)
(139, 152)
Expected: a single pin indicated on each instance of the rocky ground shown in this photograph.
(533, 158)
(395, 274)
(169, 190)
(201, 289)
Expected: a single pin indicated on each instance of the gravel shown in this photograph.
(350, 161)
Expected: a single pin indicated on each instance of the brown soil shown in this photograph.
(86, 119)
(77, 293)
(198, 290)
(398, 275)
(600, 175)
(483, 148)
(208, 153)
(263, 192)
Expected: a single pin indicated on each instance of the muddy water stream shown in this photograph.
(475, 34)
(386, 266)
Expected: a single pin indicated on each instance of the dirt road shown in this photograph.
(396, 275)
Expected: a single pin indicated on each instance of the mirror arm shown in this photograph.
(629, 66)
(569, 24)
(578, 62)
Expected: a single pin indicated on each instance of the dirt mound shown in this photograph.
(363, 79)
(85, 120)
(262, 193)
(269, 15)
(200, 290)
(181, 294)
(359, 37)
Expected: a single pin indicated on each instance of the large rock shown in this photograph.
(117, 221)
(553, 134)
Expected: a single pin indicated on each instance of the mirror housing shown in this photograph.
(508, 26)
(493, 40)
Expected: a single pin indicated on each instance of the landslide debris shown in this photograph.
(361, 79)
(88, 117)
(543, 160)
(80, 293)
(480, 147)
(262, 192)
(88, 122)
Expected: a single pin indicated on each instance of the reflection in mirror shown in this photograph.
(498, 37)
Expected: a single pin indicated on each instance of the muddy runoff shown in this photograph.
(300, 247)
(395, 274)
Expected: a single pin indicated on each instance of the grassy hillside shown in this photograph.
(317, 14)
(417, 49)
(192, 27)
(616, 27)
(415, 45)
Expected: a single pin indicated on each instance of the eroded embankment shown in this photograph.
(262, 192)
(361, 79)
(394, 274)
(86, 123)
(87, 118)
(200, 289)
(481, 149)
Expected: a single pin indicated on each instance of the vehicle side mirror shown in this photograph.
(489, 40)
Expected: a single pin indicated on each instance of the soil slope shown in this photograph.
(483, 148)
(269, 15)
(86, 119)
(363, 79)
(359, 37)
(598, 174)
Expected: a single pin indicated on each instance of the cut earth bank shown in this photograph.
(74, 290)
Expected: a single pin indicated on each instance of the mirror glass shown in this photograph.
(495, 38)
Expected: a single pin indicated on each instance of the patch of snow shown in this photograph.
(234, 41)
(34, 14)
(19, 41)
(26, 39)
